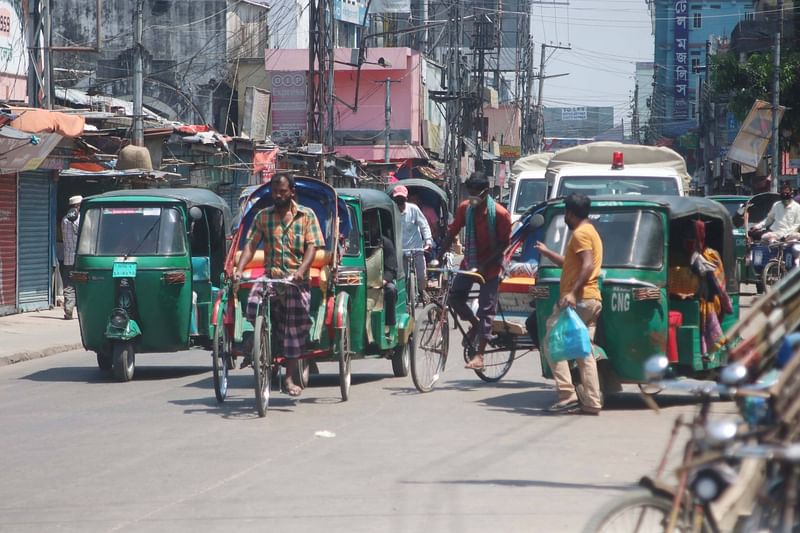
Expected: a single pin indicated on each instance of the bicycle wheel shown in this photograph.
(773, 273)
(432, 342)
(637, 512)
(262, 364)
(411, 287)
(220, 357)
(496, 362)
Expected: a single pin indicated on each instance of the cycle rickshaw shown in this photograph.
(340, 291)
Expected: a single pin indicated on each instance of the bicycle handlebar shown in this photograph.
(471, 273)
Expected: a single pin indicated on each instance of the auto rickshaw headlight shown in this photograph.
(119, 318)
(656, 367)
(720, 431)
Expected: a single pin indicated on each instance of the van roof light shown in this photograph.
(617, 161)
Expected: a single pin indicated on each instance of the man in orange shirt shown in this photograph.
(580, 289)
(487, 227)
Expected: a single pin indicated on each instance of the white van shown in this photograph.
(610, 168)
(528, 183)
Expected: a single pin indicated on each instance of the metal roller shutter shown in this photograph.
(8, 244)
(35, 229)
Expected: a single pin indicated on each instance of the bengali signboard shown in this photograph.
(574, 113)
(289, 117)
(680, 58)
(352, 11)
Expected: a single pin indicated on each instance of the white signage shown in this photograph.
(390, 6)
(573, 113)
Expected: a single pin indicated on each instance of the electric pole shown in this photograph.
(138, 78)
(776, 90)
(38, 37)
(539, 127)
(635, 118)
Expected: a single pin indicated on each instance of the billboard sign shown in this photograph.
(680, 60)
(574, 113)
(352, 11)
(289, 119)
(390, 6)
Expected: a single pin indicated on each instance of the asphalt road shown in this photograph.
(83, 453)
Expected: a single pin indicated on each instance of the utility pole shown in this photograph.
(387, 112)
(776, 90)
(539, 104)
(38, 38)
(138, 78)
(635, 117)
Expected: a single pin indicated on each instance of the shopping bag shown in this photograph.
(569, 337)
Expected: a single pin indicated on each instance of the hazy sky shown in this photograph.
(607, 38)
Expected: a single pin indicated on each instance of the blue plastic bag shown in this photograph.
(569, 337)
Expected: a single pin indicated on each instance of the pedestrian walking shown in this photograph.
(69, 234)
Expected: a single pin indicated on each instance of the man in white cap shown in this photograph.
(417, 237)
(69, 234)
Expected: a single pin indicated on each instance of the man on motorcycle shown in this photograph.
(783, 219)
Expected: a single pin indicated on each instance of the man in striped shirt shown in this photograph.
(69, 235)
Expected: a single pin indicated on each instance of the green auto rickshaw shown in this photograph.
(651, 299)
(146, 271)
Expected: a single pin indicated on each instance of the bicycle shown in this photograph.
(782, 254)
(429, 359)
(413, 292)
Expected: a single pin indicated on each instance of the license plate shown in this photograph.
(123, 270)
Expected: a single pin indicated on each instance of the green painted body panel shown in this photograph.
(164, 310)
(131, 331)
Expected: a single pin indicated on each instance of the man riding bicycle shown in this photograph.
(291, 235)
(417, 237)
(488, 231)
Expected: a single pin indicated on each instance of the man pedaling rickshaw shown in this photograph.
(783, 219)
(290, 234)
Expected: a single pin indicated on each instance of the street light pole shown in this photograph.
(388, 116)
(138, 78)
(776, 90)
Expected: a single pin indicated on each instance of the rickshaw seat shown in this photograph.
(318, 271)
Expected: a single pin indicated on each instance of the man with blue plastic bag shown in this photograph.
(579, 291)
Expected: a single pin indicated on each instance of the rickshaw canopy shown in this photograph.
(311, 193)
(191, 197)
(428, 190)
(759, 205)
(682, 208)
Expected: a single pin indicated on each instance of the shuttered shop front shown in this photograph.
(35, 231)
(8, 244)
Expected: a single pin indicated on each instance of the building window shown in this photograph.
(697, 20)
(694, 110)
(695, 64)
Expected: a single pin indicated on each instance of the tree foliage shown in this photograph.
(742, 83)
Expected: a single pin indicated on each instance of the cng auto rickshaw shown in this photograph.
(346, 292)
(645, 309)
(145, 272)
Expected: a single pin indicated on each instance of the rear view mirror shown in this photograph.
(733, 374)
(655, 367)
(196, 213)
(537, 221)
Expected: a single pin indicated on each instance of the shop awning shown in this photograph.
(397, 153)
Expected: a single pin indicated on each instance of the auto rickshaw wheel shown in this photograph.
(123, 360)
(401, 358)
(263, 368)
(343, 347)
(104, 361)
(220, 357)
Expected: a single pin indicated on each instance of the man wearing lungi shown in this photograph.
(290, 234)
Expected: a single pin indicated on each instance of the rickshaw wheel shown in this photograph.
(638, 510)
(262, 364)
(429, 355)
(221, 359)
(496, 364)
(302, 373)
(104, 361)
(123, 360)
(773, 273)
(343, 347)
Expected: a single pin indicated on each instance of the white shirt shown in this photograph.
(783, 220)
(416, 231)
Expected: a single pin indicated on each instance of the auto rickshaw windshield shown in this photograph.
(633, 185)
(132, 231)
(632, 238)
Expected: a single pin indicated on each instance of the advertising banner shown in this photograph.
(289, 119)
(390, 6)
(751, 142)
(352, 11)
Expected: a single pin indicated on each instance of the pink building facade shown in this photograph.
(359, 126)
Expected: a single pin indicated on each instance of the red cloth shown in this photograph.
(675, 321)
(502, 223)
